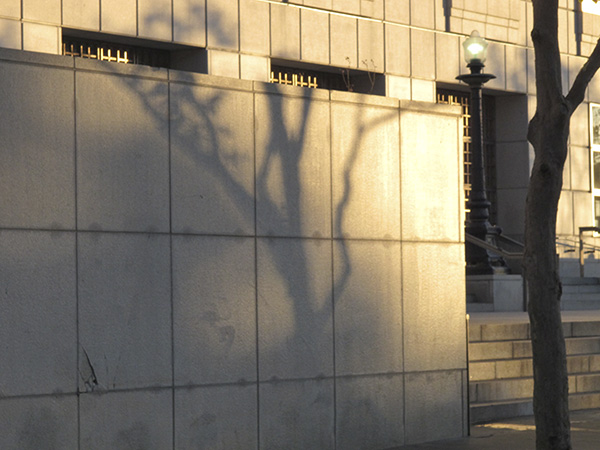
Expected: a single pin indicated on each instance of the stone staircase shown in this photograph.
(501, 378)
(580, 293)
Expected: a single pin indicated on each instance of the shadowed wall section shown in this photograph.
(190, 262)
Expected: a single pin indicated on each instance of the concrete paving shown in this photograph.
(519, 434)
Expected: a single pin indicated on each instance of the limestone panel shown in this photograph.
(42, 10)
(40, 38)
(397, 50)
(422, 13)
(155, 19)
(564, 219)
(372, 8)
(38, 313)
(563, 30)
(254, 34)
(10, 34)
(512, 165)
(433, 157)
(293, 177)
(124, 311)
(295, 314)
(516, 77)
(81, 14)
(323, 4)
(212, 183)
(315, 36)
(434, 313)
(216, 417)
(447, 57)
(580, 126)
(566, 172)
(37, 157)
(531, 86)
(39, 422)
(368, 307)
(594, 90)
(222, 24)
(189, 22)
(583, 211)
(476, 6)
(135, 419)
(564, 63)
(224, 64)
(580, 168)
(347, 6)
(122, 162)
(496, 64)
(365, 171)
(434, 406)
(254, 68)
(370, 46)
(11, 8)
(343, 40)
(214, 303)
(397, 11)
(285, 32)
(511, 119)
(119, 16)
(511, 210)
(422, 58)
(398, 87)
(370, 412)
(297, 413)
(422, 90)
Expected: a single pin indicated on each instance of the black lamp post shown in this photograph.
(479, 260)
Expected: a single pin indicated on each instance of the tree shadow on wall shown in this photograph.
(260, 163)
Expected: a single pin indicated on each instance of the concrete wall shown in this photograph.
(415, 44)
(189, 261)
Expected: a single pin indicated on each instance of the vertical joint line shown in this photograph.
(256, 274)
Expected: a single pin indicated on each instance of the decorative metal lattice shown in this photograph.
(106, 51)
(489, 143)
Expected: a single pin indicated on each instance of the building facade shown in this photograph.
(206, 243)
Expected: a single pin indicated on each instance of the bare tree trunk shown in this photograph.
(548, 133)
(550, 397)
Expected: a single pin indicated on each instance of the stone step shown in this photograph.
(580, 289)
(579, 304)
(523, 367)
(522, 388)
(577, 281)
(487, 412)
(505, 350)
(520, 331)
(480, 307)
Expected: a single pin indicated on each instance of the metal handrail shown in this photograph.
(505, 254)
(582, 247)
(494, 248)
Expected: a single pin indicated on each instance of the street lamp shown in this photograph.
(479, 260)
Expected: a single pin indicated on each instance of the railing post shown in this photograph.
(581, 261)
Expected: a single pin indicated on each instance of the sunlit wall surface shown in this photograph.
(189, 261)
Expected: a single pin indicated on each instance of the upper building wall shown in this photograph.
(414, 42)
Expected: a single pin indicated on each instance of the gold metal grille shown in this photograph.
(108, 51)
(99, 53)
(294, 79)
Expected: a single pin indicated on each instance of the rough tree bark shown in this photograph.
(548, 133)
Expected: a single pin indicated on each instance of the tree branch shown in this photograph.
(547, 55)
(577, 92)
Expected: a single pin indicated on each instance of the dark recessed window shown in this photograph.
(106, 51)
(325, 77)
(127, 50)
